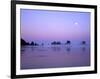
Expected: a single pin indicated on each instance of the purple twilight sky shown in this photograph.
(54, 25)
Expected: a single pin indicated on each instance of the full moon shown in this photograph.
(76, 23)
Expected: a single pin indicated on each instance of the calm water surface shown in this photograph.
(34, 57)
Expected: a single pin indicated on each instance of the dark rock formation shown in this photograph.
(56, 43)
(34, 44)
(68, 42)
(83, 42)
(23, 42)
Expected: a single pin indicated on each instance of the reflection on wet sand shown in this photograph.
(54, 56)
(56, 49)
(68, 49)
(83, 49)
